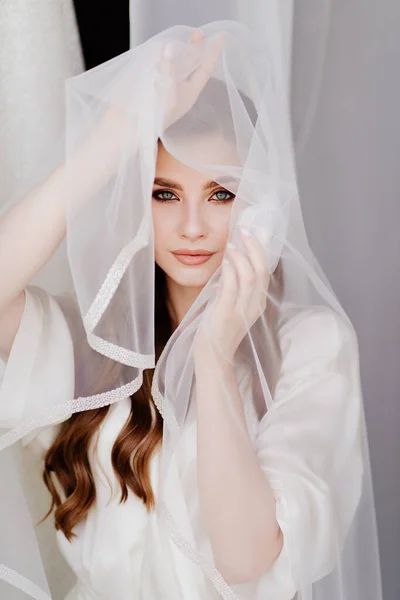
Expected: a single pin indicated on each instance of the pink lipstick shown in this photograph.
(192, 257)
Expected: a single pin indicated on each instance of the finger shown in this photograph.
(196, 36)
(229, 287)
(255, 252)
(245, 272)
(167, 63)
(201, 75)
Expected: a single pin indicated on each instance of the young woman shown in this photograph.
(234, 468)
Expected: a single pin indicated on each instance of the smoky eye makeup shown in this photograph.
(229, 196)
(220, 195)
(164, 195)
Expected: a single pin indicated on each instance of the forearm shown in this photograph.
(237, 502)
(29, 234)
(31, 231)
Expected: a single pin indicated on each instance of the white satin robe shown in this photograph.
(314, 386)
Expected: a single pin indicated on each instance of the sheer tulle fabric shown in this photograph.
(297, 366)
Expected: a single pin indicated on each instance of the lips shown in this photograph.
(192, 257)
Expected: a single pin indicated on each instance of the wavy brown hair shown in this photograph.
(66, 463)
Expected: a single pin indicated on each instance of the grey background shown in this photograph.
(349, 176)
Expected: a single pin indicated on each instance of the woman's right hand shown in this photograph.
(182, 94)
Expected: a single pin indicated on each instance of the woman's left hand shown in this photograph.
(240, 301)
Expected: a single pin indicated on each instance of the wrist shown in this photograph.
(207, 357)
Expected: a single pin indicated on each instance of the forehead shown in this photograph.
(200, 158)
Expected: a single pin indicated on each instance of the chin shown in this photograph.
(195, 277)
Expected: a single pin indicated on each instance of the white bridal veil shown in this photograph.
(297, 365)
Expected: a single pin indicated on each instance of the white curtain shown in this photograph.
(345, 108)
(39, 48)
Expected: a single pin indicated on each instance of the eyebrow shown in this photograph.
(177, 186)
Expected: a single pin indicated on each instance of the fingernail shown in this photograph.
(226, 261)
(245, 232)
(169, 51)
(231, 246)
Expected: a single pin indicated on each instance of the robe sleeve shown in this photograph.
(309, 446)
(39, 373)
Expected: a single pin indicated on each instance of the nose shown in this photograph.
(193, 224)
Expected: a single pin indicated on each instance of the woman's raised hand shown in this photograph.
(241, 299)
(182, 94)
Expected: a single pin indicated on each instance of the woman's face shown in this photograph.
(191, 214)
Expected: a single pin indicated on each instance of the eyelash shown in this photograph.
(226, 201)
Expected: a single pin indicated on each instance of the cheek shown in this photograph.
(164, 234)
(221, 224)
(160, 226)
